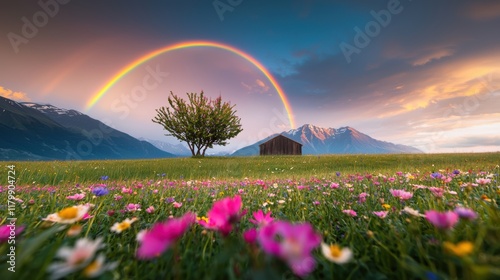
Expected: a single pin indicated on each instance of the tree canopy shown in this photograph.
(200, 122)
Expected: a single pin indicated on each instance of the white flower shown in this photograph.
(68, 215)
(97, 267)
(335, 254)
(75, 258)
(412, 212)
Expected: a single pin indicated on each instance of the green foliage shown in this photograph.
(201, 122)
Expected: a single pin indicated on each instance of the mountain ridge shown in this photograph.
(33, 131)
(344, 140)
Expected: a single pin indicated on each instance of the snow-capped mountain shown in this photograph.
(32, 131)
(49, 109)
(176, 149)
(344, 140)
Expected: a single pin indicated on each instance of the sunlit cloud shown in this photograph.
(483, 10)
(15, 95)
(258, 86)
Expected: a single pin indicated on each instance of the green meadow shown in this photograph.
(266, 167)
(431, 217)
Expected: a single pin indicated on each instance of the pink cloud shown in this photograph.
(15, 95)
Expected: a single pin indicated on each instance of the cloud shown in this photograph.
(258, 86)
(483, 10)
(15, 95)
(473, 141)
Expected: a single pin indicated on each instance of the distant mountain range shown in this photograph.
(176, 149)
(344, 140)
(32, 131)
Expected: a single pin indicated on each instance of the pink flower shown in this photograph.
(150, 209)
(7, 230)
(316, 202)
(117, 197)
(177, 204)
(291, 243)
(260, 219)
(78, 196)
(334, 185)
(250, 236)
(350, 212)
(483, 181)
(224, 214)
(162, 235)
(362, 197)
(466, 213)
(437, 192)
(127, 190)
(401, 194)
(380, 214)
(442, 220)
(131, 207)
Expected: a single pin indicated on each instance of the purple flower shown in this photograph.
(466, 213)
(436, 175)
(169, 199)
(456, 172)
(100, 191)
(104, 178)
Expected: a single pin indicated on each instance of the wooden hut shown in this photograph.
(280, 145)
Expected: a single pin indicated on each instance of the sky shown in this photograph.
(419, 73)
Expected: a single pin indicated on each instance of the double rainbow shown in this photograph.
(191, 44)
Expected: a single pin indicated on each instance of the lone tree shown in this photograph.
(201, 122)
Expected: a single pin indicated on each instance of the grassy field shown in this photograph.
(269, 167)
(327, 217)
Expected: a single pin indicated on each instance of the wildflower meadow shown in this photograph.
(328, 217)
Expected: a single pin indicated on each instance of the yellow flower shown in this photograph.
(461, 249)
(119, 227)
(336, 254)
(68, 215)
(202, 219)
(386, 206)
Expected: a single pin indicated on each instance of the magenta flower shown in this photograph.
(466, 213)
(9, 231)
(401, 194)
(380, 214)
(250, 236)
(350, 212)
(78, 196)
(131, 207)
(162, 235)
(442, 220)
(260, 219)
(291, 243)
(224, 214)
